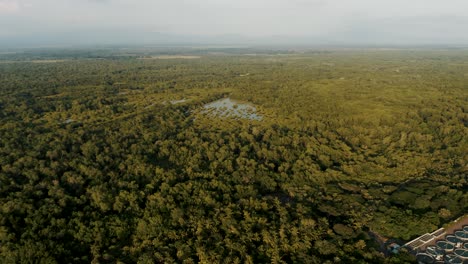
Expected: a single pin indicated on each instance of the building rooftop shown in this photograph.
(448, 245)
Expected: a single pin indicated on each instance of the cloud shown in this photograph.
(9, 6)
(331, 20)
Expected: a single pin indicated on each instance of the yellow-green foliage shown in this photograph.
(113, 159)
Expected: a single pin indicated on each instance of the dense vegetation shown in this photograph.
(98, 166)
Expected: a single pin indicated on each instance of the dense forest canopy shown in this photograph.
(107, 155)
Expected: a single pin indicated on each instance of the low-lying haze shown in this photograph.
(314, 22)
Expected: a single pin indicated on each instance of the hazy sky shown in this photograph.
(346, 21)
